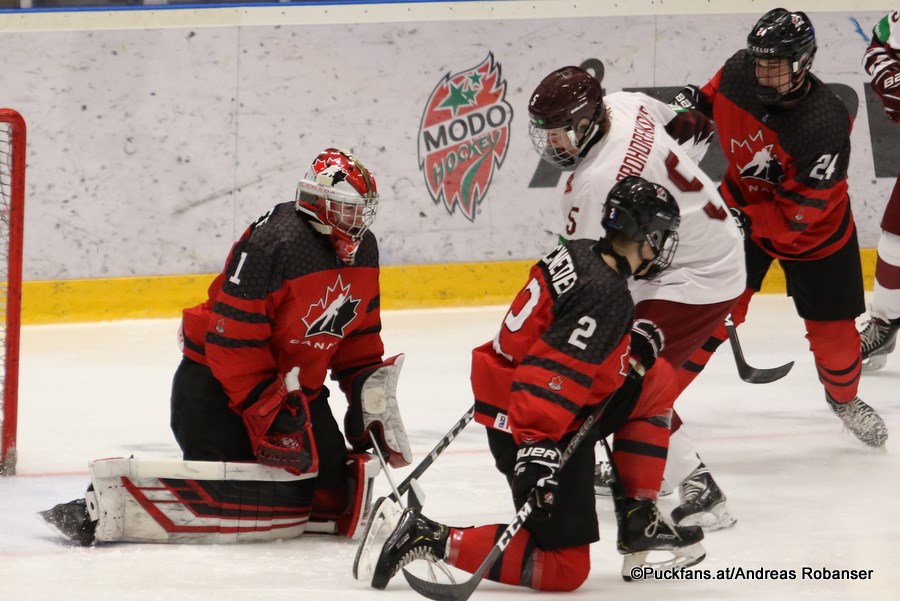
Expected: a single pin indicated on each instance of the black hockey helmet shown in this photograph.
(644, 212)
(784, 34)
(569, 99)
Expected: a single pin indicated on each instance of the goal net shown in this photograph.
(12, 201)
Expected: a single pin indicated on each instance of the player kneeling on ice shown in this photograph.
(264, 456)
(564, 347)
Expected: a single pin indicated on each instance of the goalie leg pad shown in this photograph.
(361, 470)
(196, 502)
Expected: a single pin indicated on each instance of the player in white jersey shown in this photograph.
(879, 337)
(572, 124)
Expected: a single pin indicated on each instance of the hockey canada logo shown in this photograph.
(756, 160)
(464, 136)
(333, 313)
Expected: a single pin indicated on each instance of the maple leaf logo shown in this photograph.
(464, 136)
(333, 313)
(757, 160)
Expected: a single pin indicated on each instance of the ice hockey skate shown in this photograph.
(879, 338)
(72, 521)
(643, 530)
(702, 503)
(416, 537)
(861, 420)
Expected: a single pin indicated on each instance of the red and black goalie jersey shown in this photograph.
(787, 169)
(285, 300)
(561, 350)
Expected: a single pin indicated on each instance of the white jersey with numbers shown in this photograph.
(709, 262)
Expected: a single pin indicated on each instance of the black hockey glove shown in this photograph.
(537, 464)
(647, 342)
(690, 97)
(742, 221)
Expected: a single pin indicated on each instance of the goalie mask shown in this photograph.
(339, 194)
(565, 113)
(644, 212)
(783, 45)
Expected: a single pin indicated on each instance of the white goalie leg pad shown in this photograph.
(171, 501)
(383, 518)
(362, 468)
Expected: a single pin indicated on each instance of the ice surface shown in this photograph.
(805, 493)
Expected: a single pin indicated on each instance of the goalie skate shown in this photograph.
(642, 531)
(383, 519)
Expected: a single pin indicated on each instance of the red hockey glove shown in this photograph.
(372, 394)
(534, 476)
(279, 428)
(647, 342)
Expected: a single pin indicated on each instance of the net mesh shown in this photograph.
(6, 163)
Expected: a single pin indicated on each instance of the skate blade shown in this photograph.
(874, 363)
(717, 518)
(383, 518)
(635, 566)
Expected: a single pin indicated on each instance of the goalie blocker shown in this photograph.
(202, 502)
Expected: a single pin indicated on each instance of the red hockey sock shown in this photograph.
(836, 348)
(522, 563)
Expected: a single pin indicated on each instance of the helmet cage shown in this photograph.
(644, 212)
(781, 34)
(339, 193)
(565, 112)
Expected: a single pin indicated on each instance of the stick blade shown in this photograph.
(756, 375)
(441, 592)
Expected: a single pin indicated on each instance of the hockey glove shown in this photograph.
(279, 428)
(372, 394)
(534, 476)
(647, 342)
(742, 220)
(690, 97)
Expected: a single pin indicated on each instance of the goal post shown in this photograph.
(12, 214)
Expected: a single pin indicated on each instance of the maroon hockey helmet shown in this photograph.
(565, 112)
(341, 197)
(644, 211)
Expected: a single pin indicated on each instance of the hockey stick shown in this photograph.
(463, 590)
(753, 375)
(383, 513)
(442, 444)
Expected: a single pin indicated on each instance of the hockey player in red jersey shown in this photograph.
(879, 337)
(607, 137)
(298, 298)
(786, 137)
(562, 348)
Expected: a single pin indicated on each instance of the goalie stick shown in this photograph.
(753, 375)
(463, 590)
(386, 510)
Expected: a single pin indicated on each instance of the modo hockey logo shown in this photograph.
(464, 136)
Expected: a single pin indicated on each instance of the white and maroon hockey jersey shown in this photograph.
(709, 263)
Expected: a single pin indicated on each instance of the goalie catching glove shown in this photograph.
(372, 394)
(279, 428)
